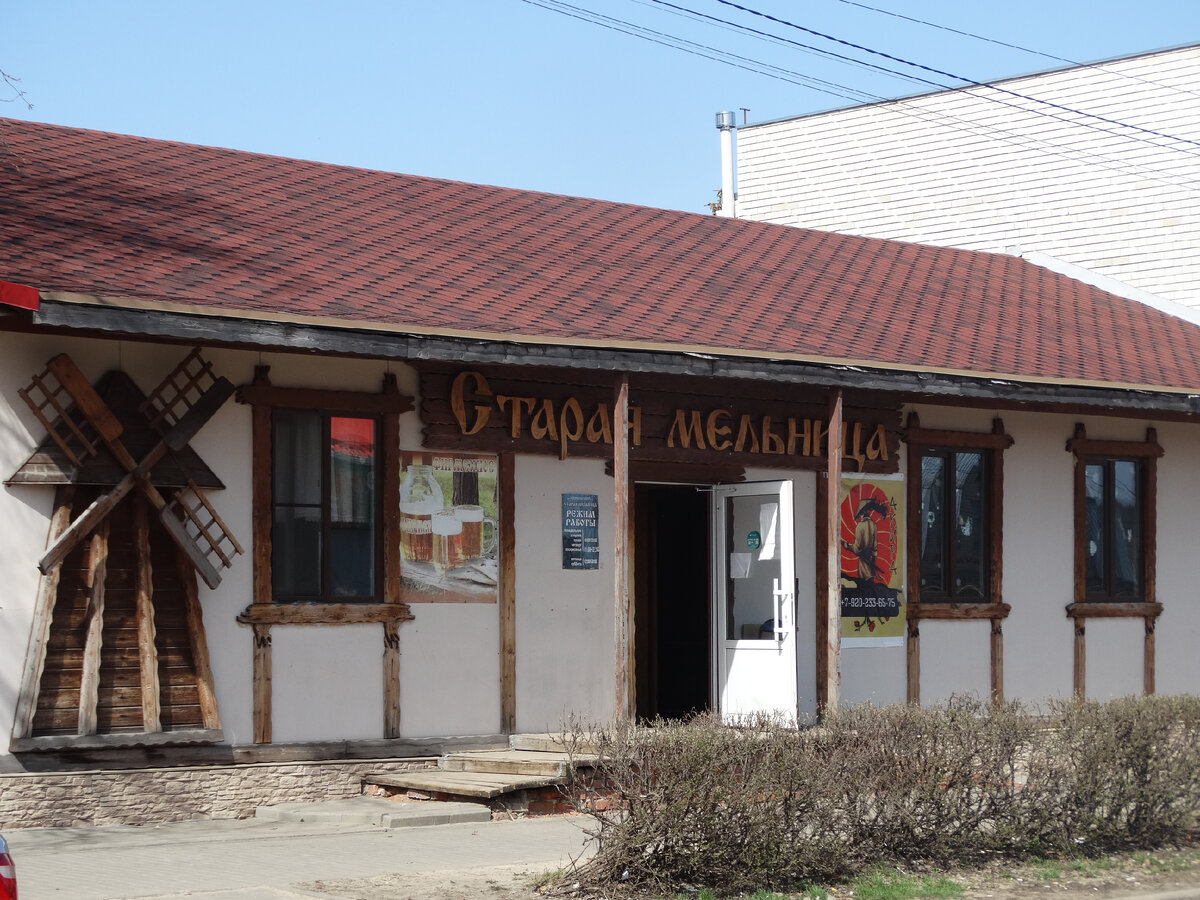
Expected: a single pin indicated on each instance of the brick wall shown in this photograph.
(151, 796)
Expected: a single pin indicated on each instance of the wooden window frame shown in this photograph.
(1146, 606)
(326, 596)
(950, 561)
(992, 444)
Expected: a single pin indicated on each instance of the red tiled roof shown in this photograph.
(231, 233)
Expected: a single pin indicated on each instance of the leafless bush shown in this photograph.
(769, 805)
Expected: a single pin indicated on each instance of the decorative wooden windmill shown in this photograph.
(118, 645)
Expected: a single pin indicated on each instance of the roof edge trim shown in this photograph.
(191, 309)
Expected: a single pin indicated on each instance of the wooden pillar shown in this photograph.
(997, 661)
(1080, 670)
(821, 632)
(913, 662)
(43, 615)
(624, 695)
(260, 521)
(507, 478)
(830, 674)
(391, 679)
(390, 497)
(262, 683)
(912, 646)
(199, 641)
(144, 594)
(1148, 657)
(89, 680)
(260, 490)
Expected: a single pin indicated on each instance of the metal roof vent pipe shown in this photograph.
(727, 125)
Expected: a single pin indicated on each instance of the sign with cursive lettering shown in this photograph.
(671, 419)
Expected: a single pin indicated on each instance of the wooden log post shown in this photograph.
(912, 652)
(624, 695)
(1148, 663)
(508, 592)
(391, 565)
(262, 683)
(144, 592)
(43, 615)
(1080, 668)
(831, 675)
(260, 491)
(89, 681)
(821, 617)
(997, 661)
(391, 679)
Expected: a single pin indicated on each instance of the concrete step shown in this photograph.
(547, 742)
(376, 812)
(485, 786)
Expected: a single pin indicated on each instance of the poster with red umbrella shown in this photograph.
(871, 541)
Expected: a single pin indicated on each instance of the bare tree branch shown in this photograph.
(14, 84)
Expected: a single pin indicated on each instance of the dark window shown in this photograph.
(1113, 515)
(953, 525)
(325, 530)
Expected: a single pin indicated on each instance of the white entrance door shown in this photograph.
(754, 577)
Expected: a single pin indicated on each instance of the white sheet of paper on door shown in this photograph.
(768, 526)
(739, 564)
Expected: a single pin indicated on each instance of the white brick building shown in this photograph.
(989, 169)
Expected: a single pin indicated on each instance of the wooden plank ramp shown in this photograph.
(531, 762)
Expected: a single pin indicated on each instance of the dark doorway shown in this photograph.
(671, 579)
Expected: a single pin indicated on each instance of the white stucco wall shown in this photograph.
(327, 682)
(1038, 570)
(566, 657)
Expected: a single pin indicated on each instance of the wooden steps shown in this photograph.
(480, 785)
(531, 763)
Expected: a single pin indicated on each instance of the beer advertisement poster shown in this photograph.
(449, 539)
(871, 540)
(580, 531)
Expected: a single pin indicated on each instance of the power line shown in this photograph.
(702, 50)
(845, 92)
(969, 81)
(984, 38)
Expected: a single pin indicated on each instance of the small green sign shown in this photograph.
(754, 540)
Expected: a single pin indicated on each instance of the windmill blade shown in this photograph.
(84, 525)
(53, 405)
(184, 387)
(178, 531)
(87, 401)
(203, 525)
(185, 428)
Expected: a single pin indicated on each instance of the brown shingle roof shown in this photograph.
(231, 233)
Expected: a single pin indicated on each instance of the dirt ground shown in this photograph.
(1174, 872)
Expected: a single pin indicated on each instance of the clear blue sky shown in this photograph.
(502, 91)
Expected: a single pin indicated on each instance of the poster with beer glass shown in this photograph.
(449, 539)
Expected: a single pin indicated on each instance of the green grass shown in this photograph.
(1157, 865)
(886, 884)
(1092, 867)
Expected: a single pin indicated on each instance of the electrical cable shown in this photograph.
(855, 94)
(969, 82)
(1029, 50)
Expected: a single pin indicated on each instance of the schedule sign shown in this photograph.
(580, 531)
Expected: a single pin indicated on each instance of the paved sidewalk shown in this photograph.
(252, 859)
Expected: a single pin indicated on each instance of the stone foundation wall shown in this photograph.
(152, 796)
